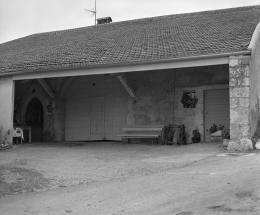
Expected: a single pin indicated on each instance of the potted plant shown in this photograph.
(216, 132)
(213, 128)
(196, 136)
(225, 136)
(189, 100)
(5, 144)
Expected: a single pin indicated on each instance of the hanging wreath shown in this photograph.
(189, 100)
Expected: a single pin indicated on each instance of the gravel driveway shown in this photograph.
(46, 166)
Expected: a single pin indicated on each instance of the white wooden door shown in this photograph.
(216, 109)
(96, 118)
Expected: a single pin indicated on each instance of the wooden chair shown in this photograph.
(18, 134)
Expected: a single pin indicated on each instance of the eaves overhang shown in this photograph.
(193, 61)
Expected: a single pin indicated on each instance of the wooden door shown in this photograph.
(216, 109)
(96, 118)
(34, 118)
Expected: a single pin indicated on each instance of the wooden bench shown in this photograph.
(142, 131)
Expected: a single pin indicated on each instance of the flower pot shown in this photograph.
(185, 105)
(216, 137)
(225, 142)
(195, 139)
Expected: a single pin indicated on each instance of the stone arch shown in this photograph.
(62, 92)
(34, 105)
(27, 100)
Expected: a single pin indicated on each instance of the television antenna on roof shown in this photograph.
(93, 11)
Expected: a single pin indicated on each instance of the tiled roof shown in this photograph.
(156, 38)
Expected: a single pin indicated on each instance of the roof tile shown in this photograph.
(156, 38)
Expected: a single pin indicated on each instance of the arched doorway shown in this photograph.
(34, 118)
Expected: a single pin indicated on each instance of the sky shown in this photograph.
(19, 18)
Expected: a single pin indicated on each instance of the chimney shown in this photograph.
(104, 20)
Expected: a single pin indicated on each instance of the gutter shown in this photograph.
(201, 57)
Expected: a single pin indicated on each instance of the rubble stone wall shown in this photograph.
(244, 88)
(239, 90)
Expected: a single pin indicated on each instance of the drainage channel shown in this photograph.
(236, 154)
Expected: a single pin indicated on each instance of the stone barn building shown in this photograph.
(87, 83)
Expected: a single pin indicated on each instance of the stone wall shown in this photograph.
(239, 98)
(192, 118)
(53, 111)
(159, 95)
(244, 99)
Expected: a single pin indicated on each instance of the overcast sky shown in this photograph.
(19, 18)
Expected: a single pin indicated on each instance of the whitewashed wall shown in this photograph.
(78, 107)
(6, 105)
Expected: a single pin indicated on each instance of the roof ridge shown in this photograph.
(155, 18)
(181, 15)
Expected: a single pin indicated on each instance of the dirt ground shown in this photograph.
(121, 178)
(39, 166)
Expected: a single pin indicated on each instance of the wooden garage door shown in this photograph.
(216, 109)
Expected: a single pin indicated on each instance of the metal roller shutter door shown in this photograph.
(216, 109)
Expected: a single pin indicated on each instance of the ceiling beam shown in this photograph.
(25, 81)
(46, 87)
(126, 85)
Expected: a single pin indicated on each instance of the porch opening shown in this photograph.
(34, 118)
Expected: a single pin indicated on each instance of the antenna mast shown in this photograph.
(93, 11)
